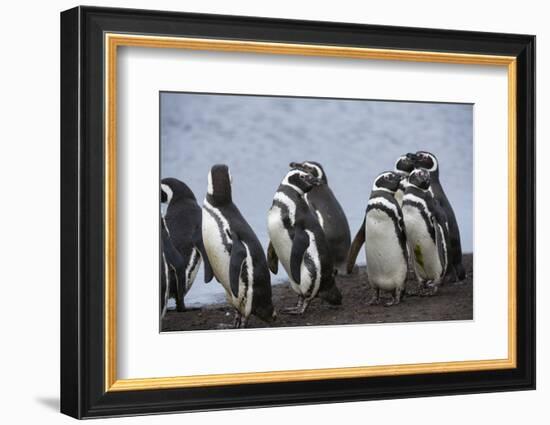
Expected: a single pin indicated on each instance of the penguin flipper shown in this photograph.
(171, 254)
(299, 245)
(272, 259)
(441, 243)
(238, 255)
(355, 247)
(208, 273)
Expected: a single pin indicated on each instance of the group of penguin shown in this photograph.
(409, 226)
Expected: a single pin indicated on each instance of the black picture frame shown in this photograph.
(83, 392)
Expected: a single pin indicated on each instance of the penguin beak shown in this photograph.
(296, 165)
(412, 156)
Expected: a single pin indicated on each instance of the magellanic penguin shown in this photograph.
(299, 243)
(330, 214)
(383, 234)
(183, 220)
(172, 269)
(234, 251)
(428, 161)
(426, 227)
(403, 166)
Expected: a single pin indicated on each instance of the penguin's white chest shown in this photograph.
(386, 264)
(422, 247)
(279, 236)
(399, 196)
(215, 236)
(309, 281)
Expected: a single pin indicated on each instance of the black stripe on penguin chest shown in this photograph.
(195, 258)
(293, 197)
(225, 238)
(312, 270)
(424, 214)
(285, 217)
(244, 282)
(395, 220)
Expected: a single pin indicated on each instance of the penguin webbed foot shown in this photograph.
(237, 320)
(299, 309)
(240, 322)
(375, 300)
(395, 299)
(390, 302)
(430, 288)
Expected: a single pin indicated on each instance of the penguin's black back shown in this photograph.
(184, 221)
(455, 248)
(318, 197)
(183, 216)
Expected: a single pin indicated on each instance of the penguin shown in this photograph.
(183, 222)
(330, 214)
(428, 161)
(403, 166)
(383, 233)
(426, 228)
(299, 243)
(172, 269)
(236, 255)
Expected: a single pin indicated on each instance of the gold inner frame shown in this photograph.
(113, 41)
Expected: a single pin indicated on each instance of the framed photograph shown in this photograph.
(261, 212)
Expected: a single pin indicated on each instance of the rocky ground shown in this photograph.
(452, 302)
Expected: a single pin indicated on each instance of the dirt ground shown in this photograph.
(452, 302)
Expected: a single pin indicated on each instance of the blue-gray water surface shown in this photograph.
(354, 140)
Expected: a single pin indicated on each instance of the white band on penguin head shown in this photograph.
(210, 185)
(166, 189)
(286, 181)
(434, 160)
(320, 173)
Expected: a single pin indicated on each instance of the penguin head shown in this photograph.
(404, 165)
(420, 178)
(388, 181)
(332, 295)
(174, 189)
(427, 160)
(311, 167)
(300, 181)
(219, 184)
